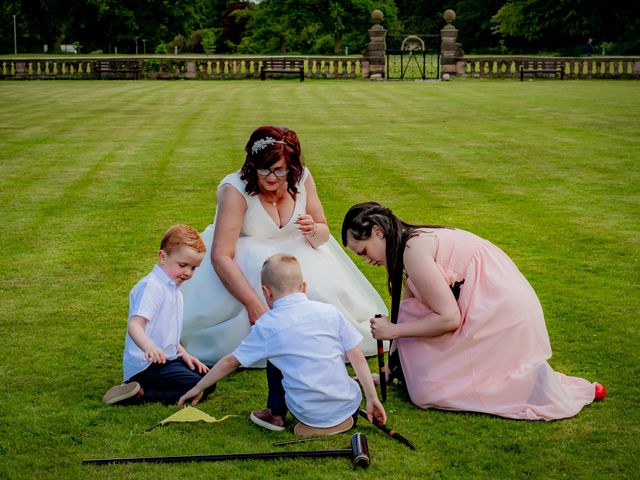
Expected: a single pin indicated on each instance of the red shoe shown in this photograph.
(266, 419)
(601, 392)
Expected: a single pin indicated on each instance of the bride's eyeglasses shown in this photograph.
(278, 172)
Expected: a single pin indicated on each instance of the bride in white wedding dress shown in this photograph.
(270, 206)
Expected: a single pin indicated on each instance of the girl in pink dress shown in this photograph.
(470, 332)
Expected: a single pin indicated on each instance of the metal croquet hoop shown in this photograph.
(359, 454)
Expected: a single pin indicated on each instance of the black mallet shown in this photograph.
(359, 453)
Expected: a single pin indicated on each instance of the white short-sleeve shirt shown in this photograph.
(307, 341)
(156, 298)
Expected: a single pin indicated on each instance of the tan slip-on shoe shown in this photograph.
(120, 393)
(304, 430)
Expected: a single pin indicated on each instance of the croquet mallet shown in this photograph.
(359, 453)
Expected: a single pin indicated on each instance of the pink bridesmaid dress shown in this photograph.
(496, 361)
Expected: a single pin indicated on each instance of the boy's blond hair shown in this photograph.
(281, 273)
(182, 236)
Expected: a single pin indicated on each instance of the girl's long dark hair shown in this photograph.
(359, 222)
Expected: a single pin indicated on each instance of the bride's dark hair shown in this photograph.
(359, 222)
(267, 145)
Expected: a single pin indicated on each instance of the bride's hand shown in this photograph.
(306, 225)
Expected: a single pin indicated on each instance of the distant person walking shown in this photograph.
(588, 47)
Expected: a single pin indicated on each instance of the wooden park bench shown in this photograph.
(282, 65)
(542, 66)
(118, 69)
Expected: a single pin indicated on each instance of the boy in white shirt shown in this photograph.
(156, 367)
(307, 341)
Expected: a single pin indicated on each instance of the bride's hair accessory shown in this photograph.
(262, 143)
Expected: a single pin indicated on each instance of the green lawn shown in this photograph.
(92, 173)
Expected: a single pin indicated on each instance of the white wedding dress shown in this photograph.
(215, 322)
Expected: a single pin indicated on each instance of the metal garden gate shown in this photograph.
(413, 57)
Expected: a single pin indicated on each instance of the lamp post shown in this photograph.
(144, 46)
(15, 39)
(136, 45)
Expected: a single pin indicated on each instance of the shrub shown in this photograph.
(195, 41)
(151, 65)
(162, 49)
(324, 45)
(209, 41)
(247, 46)
(178, 41)
(230, 46)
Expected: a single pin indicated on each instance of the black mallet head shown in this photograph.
(360, 450)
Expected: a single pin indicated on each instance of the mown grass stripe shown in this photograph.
(91, 173)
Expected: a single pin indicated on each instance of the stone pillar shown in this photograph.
(192, 69)
(375, 53)
(452, 56)
(21, 69)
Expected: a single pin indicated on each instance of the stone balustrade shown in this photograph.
(50, 68)
(337, 67)
(575, 67)
(176, 67)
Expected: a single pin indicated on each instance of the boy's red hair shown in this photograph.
(182, 236)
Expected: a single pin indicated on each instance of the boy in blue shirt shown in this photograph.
(156, 367)
(307, 341)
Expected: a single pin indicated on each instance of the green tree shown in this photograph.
(562, 24)
(114, 24)
(473, 21)
(39, 23)
(317, 26)
(349, 22)
(7, 11)
(421, 16)
(159, 21)
(234, 25)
